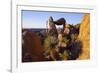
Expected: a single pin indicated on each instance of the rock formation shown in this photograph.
(60, 21)
(52, 24)
(69, 44)
(32, 49)
(84, 36)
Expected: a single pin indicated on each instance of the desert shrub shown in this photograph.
(74, 37)
(50, 43)
(47, 42)
(77, 26)
(75, 49)
(64, 55)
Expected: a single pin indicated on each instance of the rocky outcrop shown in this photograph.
(84, 37)
(56, 44)
(32, 49)
(52, 25)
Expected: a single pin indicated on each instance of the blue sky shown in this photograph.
(37, 19)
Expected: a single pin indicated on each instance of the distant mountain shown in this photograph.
(34, 29)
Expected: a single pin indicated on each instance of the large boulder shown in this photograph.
(32, 48)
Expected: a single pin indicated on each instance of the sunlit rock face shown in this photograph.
(84, 36)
